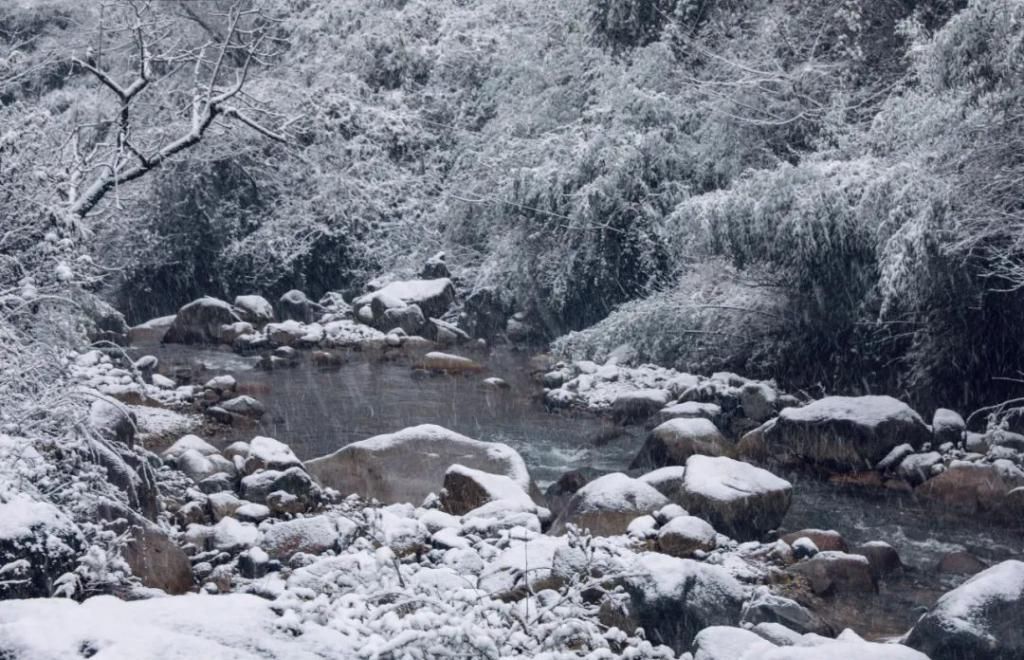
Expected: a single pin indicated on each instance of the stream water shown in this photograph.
(317, 411)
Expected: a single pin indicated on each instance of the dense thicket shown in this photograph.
(826, 192)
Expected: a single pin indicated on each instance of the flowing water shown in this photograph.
(317, 411)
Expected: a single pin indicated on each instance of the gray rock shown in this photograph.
(738, 499)
(982, 619)
(200, 321)
(845, 433)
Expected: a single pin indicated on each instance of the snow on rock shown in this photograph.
(832, 571)
(684, 535)
(845, 433)
(200, 321)
(608, 504)
(408, 465)
(466, 489)
(438, 361)
(638, 405)
(187, 442)
(766, 607)
(674, 441)
(432, 296)
(270, 454)
(738, 499)
(690, 409)
(257, 310)
(673, 599)
(981, 619)
(948, 426)
(313, 535)
(667, 480)
(728, 643)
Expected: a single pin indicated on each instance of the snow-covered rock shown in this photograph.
(638, 405)
(730, 643)
(973, 488)
(432, 296)
(244, 405)
(766, 607)
(673, 599)
(466, 489)
(674, 441)
(683, 535)
(408, 465)
(313, 535)
(845, 433)
(438, 361)
(200, 321)
(187, 442)
(257, 310)
(689, 410)
(738, 499)
(981, 619)
(917, 468)
(834, 571)
(608, 504)
(269, 454)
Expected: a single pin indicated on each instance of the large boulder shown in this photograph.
(314, 535)
(408, 317)
(608, 504)
(200, 321)
(257, 310)
(433, 297)
(485, 312)
(738, 499)
(673, 599)
(832, 571)
(466, 489)
(982, 619)
(674, 441)
(844, 433)
(972, 489)
(638, 405)
(408, 465)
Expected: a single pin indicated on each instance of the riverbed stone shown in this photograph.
(884, 558)
(199, 322)
(433, 296)
(295, 305)
(314, 535)
(245, 406)
(269, 454)
(448, 363)
(917, 468)
(824, 539)
(257, 310)
(738, 499)
(844, 434)
(673, 599)
(684, 535)
(409, 318)
(767, 607)
(832, 571)
(972, 488)
(638, 405)
(608, 504)
(466, 489)
(408, 465)
(690, 409)
(982, 619)
(674, 441)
